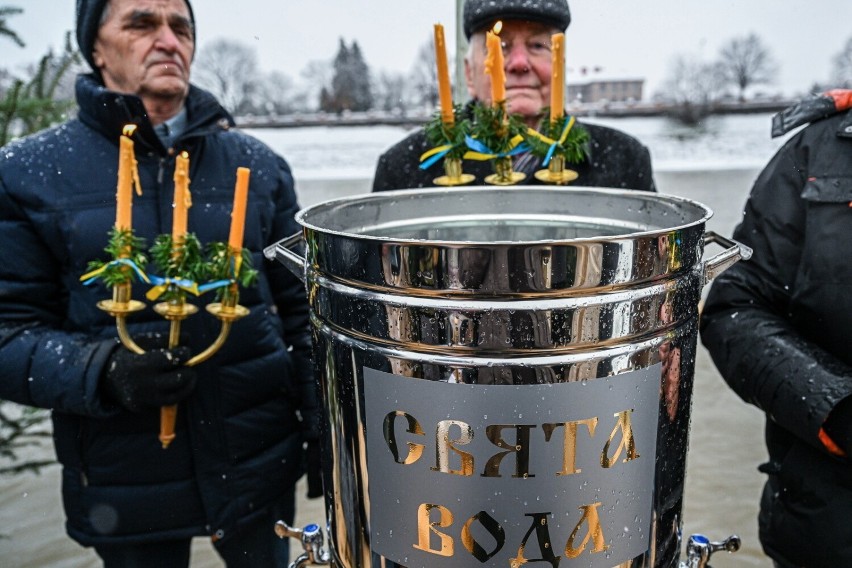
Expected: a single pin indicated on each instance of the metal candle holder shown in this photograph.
(556, 172)
(454, 174)
(121, 305)
(504, 173)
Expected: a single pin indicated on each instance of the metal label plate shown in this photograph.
(501, 475)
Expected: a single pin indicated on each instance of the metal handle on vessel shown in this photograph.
(281, 252)
(312, 540)
(699, 549)
(733, 253)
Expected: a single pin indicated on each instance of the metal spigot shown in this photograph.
(699, 549)
(312, 540)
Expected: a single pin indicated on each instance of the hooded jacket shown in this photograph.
(776, 327)
(239, 437)
(615, 160)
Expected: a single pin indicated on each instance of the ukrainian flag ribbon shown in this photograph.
(433, 155)
(162, 284)
(481, 152)
(569, 123)
(90, 277)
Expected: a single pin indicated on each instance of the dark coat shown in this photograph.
(777, 328)
(615, 160)
(238, 444)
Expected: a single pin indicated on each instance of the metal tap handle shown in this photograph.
(699, 549)
(312, 539)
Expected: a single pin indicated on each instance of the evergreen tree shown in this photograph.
(29, 106)
(5, 31)
(350, 84)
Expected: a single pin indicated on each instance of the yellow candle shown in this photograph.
(494, 65)
(238, 213)
(124, 190)
(182, 199)
(557, 83)
(444, 90)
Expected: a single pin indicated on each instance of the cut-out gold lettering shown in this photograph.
(444, 446)
(569, 442)
(595, 532)
(521, 449)
(625, 426)
(414, 450)
(492, 527)
(542, 533)
(426, 528)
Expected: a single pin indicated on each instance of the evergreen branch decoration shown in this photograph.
(495, 128)
(438, 133)
(123, 245)
(575, 147)
(222, 266)
(183, 261)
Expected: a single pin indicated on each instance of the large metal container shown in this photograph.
(506, 372)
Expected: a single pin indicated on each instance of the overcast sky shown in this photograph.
(630, 38)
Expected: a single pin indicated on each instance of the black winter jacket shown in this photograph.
(776, 327)
(238, 444)
(616, 160)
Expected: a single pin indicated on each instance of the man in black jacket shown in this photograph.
(615, 159)
(244, 414)
(776, 327)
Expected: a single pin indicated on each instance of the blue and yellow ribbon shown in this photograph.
(569, 123)
(90, 277)
(162, 284)
(481, 152)
(433, 155)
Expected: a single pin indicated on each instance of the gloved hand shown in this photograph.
(153, 379)
(838, 425)
(313, 464)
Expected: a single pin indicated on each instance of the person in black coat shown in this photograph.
(776, 328)
(246, 414)
(615, 159)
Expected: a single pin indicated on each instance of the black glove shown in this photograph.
(313, 464)
(153, 379)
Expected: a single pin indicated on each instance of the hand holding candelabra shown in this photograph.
(179, 257)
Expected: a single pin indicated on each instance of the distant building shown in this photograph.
(604, 89)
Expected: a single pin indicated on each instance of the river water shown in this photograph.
(714, 165)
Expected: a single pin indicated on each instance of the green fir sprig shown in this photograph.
(575, 147)
(184, 261)
(439, 134)
(221, 267)
(494, 128)
(122, 244)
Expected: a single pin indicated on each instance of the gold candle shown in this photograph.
(182, 199)
(238, 213)
(557, 83)
(444, 90)
(494, 65)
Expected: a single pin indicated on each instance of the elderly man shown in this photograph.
(615, 159)
(231, 470)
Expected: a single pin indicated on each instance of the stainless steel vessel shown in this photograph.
(506, 372)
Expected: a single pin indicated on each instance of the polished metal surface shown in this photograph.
(502, 286)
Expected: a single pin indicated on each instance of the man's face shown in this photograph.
(527, 58)
(145, 47)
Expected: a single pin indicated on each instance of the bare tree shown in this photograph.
(316, 78)
(228, 69)
(390, 91)
(692, 87)
(274, 94)
(747, 61)
(841, 66)
(424, 76)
